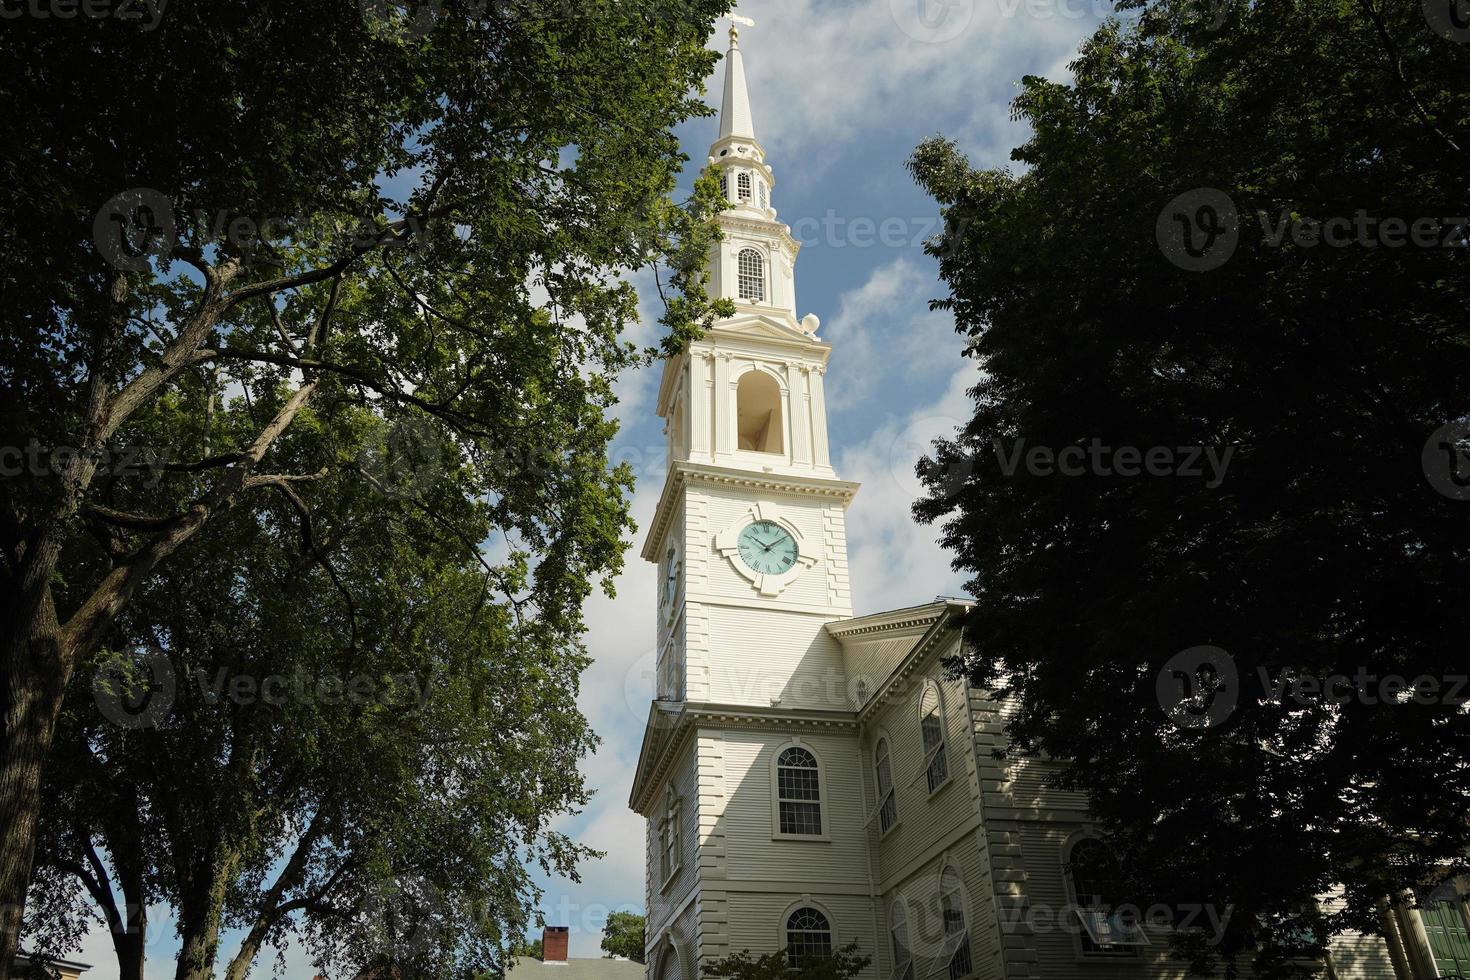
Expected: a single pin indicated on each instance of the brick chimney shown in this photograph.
(554, 944)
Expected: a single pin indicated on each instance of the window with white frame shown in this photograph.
(887, 798)
(671, 836)
(808, 936)
(743, 182)
(956, 928)
(765, 195)
(725, 185)
(1094, 878)
(752, 275)
(898, 931)
(931, 726)
(799, 793)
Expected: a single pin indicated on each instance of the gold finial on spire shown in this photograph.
(735, 21)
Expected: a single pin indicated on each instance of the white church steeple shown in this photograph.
(735, 117)
(750, 464)
(756, 263)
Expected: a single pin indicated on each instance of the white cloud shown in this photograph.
(823, 73)
(885, 339)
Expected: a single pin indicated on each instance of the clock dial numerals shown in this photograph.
(768, 548)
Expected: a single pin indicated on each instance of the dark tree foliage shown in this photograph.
(1337, 541)
(311, 312)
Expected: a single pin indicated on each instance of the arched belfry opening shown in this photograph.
(758, 413)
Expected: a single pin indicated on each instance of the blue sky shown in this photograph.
(842, 91)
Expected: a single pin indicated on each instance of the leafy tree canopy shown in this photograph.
(623, 936)
(1129, 286)
(312, 312)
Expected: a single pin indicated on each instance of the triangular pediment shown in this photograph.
(765, 326)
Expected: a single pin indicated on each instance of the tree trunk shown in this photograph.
(131, 942)
(36, 669)
(131, 946)
(199, 919)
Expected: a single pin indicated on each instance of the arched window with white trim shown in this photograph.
(799, 793)
(808, 936)
(931, 726)
(725, 185)
(743, 182)
(765, 195)
(752, 275)
(898, 932)
(887, 797)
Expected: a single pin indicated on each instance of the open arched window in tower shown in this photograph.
(931, 726)
(752, 270)
(765, 195)
(799, 793)
(758, 413)
(745, 186)
(808, 937)
(725, 185)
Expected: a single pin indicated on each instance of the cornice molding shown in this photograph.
(684, 473)
(769, 228)
(939, 631)
(664, 737)
(893, 621)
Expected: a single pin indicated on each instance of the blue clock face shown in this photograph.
(768, 548)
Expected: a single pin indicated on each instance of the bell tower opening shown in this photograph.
(758, 413)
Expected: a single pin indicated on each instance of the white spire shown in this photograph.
(735, 118)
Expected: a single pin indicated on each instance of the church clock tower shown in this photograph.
(750, 543)
(749, 534)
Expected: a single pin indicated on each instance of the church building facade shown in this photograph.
(811, 779)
